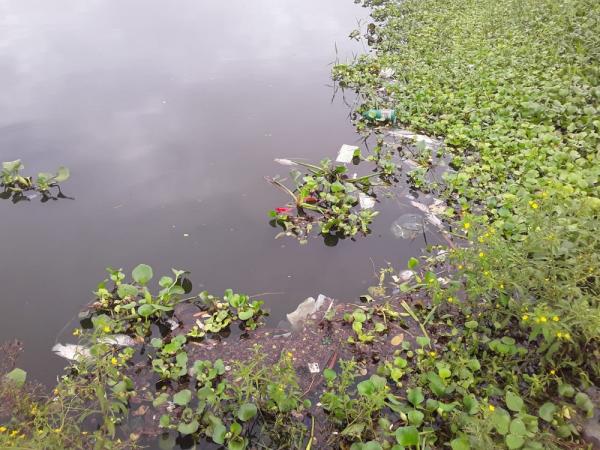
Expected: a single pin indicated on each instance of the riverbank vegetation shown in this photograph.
(490, 342)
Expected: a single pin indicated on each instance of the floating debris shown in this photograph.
(407, 226)
(314, 367)
(347, 153)
(304, 310)
(285, 162)
(72, 352)
(428, 141)
(366, 201)
(119, 340)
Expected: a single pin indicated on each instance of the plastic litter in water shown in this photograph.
(314, 367)
(381, 115)
(346, 153)
(366, 201)
(407, 226)
(71, 352)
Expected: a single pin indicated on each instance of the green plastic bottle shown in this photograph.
(381, 115)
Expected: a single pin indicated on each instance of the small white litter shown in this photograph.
(405, 275)
(305, 309)
(366, 201)
(314, 367)
(285, 162)
(71, 352)
(387, 73)
(119, 340)
(346, 153)
(431, 217)
(405, 134)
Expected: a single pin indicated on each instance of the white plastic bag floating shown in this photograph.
(305, 309)
(119, 340)
(407, 226)
(366, 201)
(346, 153)
(71, 352)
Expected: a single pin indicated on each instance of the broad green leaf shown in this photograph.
(501, 421)
(415, 417)
(146, 310)
(355, 429)
(17, 376)
(436, 384)
(415, 396)
(513, 401)
(182, 398)
(165, 421)
(188, 428)
(237, 443)
(407, 436)
(161, 399)
(218, 434)
(127, 290)
(514, 441)
(142, 274)
(566, 390)
(246, 314)
(247, 411)
(517, 427)
(329, 374)
(62, 174)
(461, 443)
(412, 263)
(547, 411)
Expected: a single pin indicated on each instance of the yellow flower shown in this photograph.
(432, 354)
(106, 329)
(567, 336)
(525, 317)
(76, 332)
(460, 267)
(481, 239)
(450, 299)
(466, 225)
(533, 204)
(290, 354)
(559, 334)
(552, 372)
(57, 430)
(492, 408)
(481, 254)
(543, 319)
(2, 429)
(114, 361)
(486, 273)
(556, 318)
(14, 432)
(501, 286)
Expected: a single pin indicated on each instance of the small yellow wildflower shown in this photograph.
(543, 319)
(450, 299)
(55, 391)
(76, 332)
(460, 267)
(106, 329)
(525, 317)
(481, 254)
(14, 433)
(553, 372)
(466, 225)
(432, 354)
(487, 273)
(534, 205)
(556, 318)
(3, 429)
(290, 354)
(114, 361)
(559, 334)
(492, 408)
(481, 239)
(567, 336)
(57, 430)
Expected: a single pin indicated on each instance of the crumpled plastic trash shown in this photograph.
(407, 226)
(428, 141)
(429, 215)
(72, 352)
(387, 73)
(314, 367)
(305, 309)
(119, 340)
(346, 153)
(366, 201)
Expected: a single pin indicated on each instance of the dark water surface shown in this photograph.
(169, 114)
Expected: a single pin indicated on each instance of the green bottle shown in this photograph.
(381, 115)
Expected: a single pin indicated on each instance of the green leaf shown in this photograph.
(182, 398)
(415, 417)
(127, 290)
(218, 434)
(17, 376)
(517, 428)
(237, 443)
(461, 443)
(513, 401)
(501, 421)
(63, 174)
(514, 441)
(329, 374)
(366, 387)
(142, 274)
(146, 310)
(547, 411)
(436, 384)
(165, 421)
(407, 436)
(359, 316)
(412, 263)
(161, 399)
(471, 325)
(355, 429)
(247, 411)
(415, 396)
(188, 428)
(245, 315)
(566, 390)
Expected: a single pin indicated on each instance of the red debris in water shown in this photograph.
(283, 210)
(310, 200)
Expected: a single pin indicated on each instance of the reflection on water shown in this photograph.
(169, 115)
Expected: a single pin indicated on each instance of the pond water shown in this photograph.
(169, 115)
